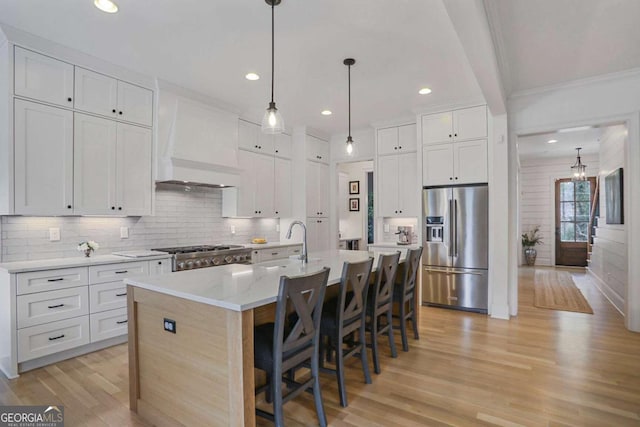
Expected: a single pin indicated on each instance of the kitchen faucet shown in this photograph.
(303, 255)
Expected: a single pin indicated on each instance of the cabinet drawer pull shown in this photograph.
(274, 253)
(120, 322)
(55, 306)
(121, 295)
(56, 338)
(122, 272)
(59, 279)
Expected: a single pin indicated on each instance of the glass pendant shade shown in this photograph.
(578, 169)
(272, 122)
(349, 145)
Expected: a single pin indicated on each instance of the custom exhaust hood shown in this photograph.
(197, 143)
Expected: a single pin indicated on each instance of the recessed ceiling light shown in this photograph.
(552, 141)
(106, 6)
(252, 76)
(424, 91)
(326, 112)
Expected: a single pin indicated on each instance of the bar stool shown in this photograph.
(379, 303)
(281, 347)
(342, 317)
(404, 294)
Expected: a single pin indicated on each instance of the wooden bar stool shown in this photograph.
(380, 304)
(404, 295)
(342, 317)
(283, 346)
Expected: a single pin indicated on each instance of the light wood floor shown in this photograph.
(543, 368)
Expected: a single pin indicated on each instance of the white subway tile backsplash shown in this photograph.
(181, 218)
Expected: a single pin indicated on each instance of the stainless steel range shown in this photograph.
(191, 257)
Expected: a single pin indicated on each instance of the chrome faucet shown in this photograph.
(303, 255)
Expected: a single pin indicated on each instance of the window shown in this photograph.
(575, 203)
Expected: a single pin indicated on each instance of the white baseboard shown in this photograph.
(616, 300)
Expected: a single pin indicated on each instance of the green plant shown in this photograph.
(532, 238)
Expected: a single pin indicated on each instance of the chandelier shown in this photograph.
(579, 170)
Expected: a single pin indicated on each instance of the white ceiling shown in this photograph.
(208, 46)
(537, 146)
(547, 42)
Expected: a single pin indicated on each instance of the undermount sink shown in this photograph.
(309, 259)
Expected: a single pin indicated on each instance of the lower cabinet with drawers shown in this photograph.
(52, 314)
(274, 252)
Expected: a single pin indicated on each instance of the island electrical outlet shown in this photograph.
(170, 325)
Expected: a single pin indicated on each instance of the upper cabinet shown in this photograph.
(317, 190)
(400, 139)
(42, 78)
(458, 125)
(104, 95)
(455, 147)
(317, 149)
(252, 139)
(68, 163)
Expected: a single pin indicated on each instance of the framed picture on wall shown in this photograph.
(354, 204)
(354, 187)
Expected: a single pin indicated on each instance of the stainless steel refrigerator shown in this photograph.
(456, 235)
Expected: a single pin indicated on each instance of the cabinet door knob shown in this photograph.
(455, 134)
(400, 211)
(255, 146)
(69, 99)
(159, 262)
(68, 206)
(395, 148)
(276, 151)
(277, 212)
(113, 208)
(450, 178)
(449, 135)
(120, 112)
(456, 177)
(119, 208)
(400, 147)
(113, 111)
(396, 211)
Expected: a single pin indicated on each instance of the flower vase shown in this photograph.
(87, 252)
(530, 255)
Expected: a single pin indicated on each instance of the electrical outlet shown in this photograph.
(124, 232)
(170, 325)
(386, 228)
(278, 227)
(233, 229)
(54, 234)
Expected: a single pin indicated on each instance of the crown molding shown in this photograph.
(399, 121)
(441, 108)
(587, 81)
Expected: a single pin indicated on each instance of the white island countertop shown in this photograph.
(79, 261)
(241, 287)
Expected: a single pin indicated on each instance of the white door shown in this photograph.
(245, 189)
(317, 235)
(408, 192)
(133, 170)
(323, 234)
(312, 175)
(317, 149)
(323, 190)
(44, 78)
(470, 162)
(437, 164)
(135, 104)
(263, 187)
(94, 166)
(247, 135)
(388, 186)
(437, 128)
(266, 143)
(407, 138)
(96, 93)
(283, 186)
(283, 145)
(387, 141)
(43, 159)
(470, 123)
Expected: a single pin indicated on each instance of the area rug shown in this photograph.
(555, 290)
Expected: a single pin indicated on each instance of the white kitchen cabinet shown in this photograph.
(317, 149)
(317, 189)
(112, 167)
(317, 235)
(397, 139)
(43, 159)
(459, 125)
(455, 163)
(254, 196)
(108, 324)
(160, 266)
(252, 139)
(397, 183)
(42, 340)
(264, 192)
(283, 145)
(100, 94)
(282, 188)
(43, 78)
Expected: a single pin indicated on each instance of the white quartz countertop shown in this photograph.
(242, 287)
(79, 261)
(269, 245)
(393, 245)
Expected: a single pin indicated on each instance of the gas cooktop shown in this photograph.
(192, 257)
(198, 248)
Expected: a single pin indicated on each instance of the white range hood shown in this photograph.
(197, 142)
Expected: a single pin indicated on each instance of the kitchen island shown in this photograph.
(191, 337)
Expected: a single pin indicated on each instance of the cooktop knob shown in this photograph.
(207, 262)
(217, 261)
(189, 264)
(198, 263)
(181, 266)
(228, 259)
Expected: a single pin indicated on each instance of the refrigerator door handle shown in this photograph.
(455, 221)
(450, 228)
(435, 270)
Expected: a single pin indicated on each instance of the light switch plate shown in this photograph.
(386, 228)
(54, 234)
(278, 227)
(124, 232)
(233, 229)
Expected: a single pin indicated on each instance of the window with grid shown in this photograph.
(575, 203)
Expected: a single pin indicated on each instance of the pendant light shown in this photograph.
(349, 62)
(579, 170)
(272, 121)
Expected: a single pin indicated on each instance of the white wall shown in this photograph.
(537, 198)
(612, 98)
(609, 253)
(182, 218)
